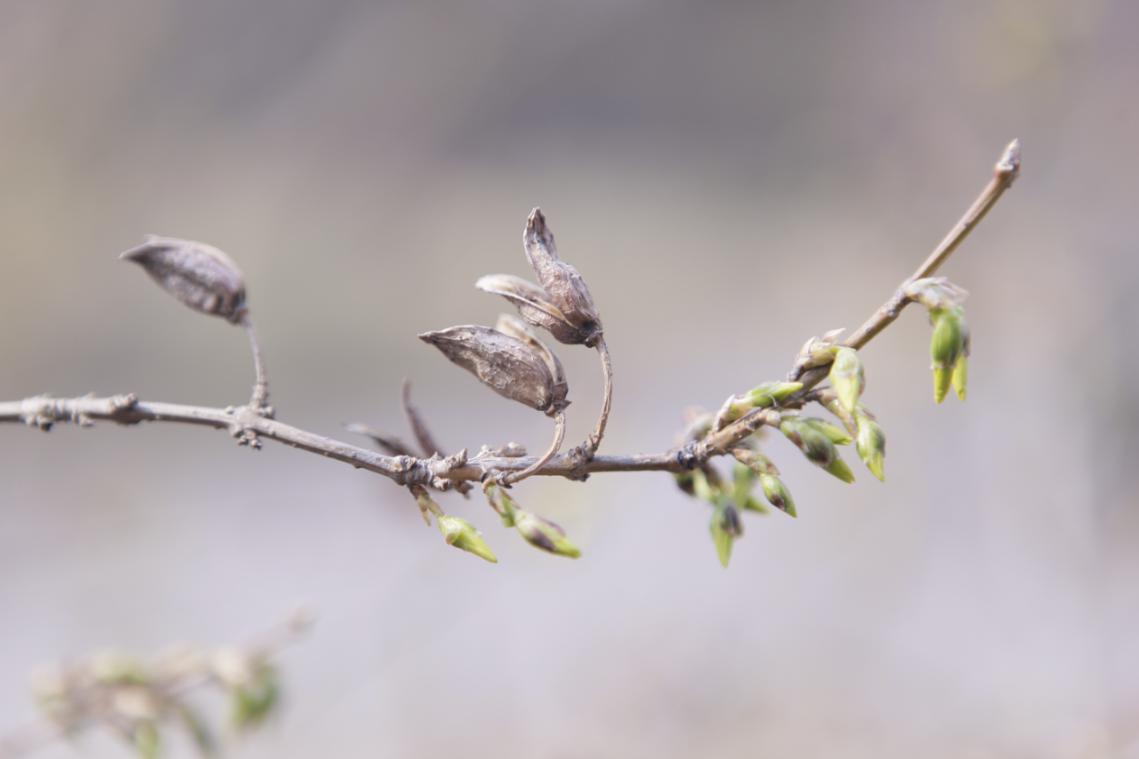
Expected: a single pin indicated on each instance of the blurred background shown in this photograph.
(731, 178)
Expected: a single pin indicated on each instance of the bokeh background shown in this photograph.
(731, 178)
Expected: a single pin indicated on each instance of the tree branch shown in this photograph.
(244, 422)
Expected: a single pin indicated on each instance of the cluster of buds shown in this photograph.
(949, 344)
(139, 700)
(848, 381)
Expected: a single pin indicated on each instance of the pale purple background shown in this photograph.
(731, 179)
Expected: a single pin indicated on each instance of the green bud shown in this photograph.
(871, 445)
(703, 489)
(254, 701)
(817, 445)
(834, 433)
(946, 346)
(684, 481)
(725, 528)
(771, 393)
(754, 460)
(960, 376)
(462, 534)
(544, 534)
(147, 740)
(839, 469)
(777, 493)
(848, 378)
(743, 481)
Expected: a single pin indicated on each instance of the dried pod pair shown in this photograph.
(560, 303)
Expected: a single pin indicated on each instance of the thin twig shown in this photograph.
(260, 400)
(606, 400)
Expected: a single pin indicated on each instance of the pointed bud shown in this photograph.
(840, 469)
(947, 344)
(505, 364)
(817, 445)
(462, 534)
(754, 460)
(725, 528)
(765, 395)
(147, 739)
(834, 433)
(254, 700)
(960, 378)
(777, 493)
(847, 377)
(198, 275)
(544, 534)
(871, 445)
(771, 393)
(563, 284)
(744, 479)
(817, 351)
(684, 481)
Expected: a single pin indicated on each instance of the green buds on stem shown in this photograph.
(725, 528)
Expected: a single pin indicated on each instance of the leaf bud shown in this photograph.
(847, 377)
(777, 493)
(871, 444)
(544, 534)
(462, 534)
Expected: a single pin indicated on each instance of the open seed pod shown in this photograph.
(512, 368)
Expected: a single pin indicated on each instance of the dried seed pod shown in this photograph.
(563, 284)
(198, 275)
(533, 304)
(514, 327)
(510, 367)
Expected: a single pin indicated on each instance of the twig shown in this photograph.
(40, 733)
(44, 411)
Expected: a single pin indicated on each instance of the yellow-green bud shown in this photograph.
(871, 444)
(960, 378)
(725, 528)
(462, 534)
(946, 346)
(848, 378)
(771, 393)
(834, 433)
(544, 534)
(817, 445)
(777, 493)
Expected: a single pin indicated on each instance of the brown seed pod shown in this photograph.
(564, 286)
(518, 329)
(533, 304)
(505, 364)
(198, 275)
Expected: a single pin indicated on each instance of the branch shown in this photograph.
(111, 690)
(561, 304)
